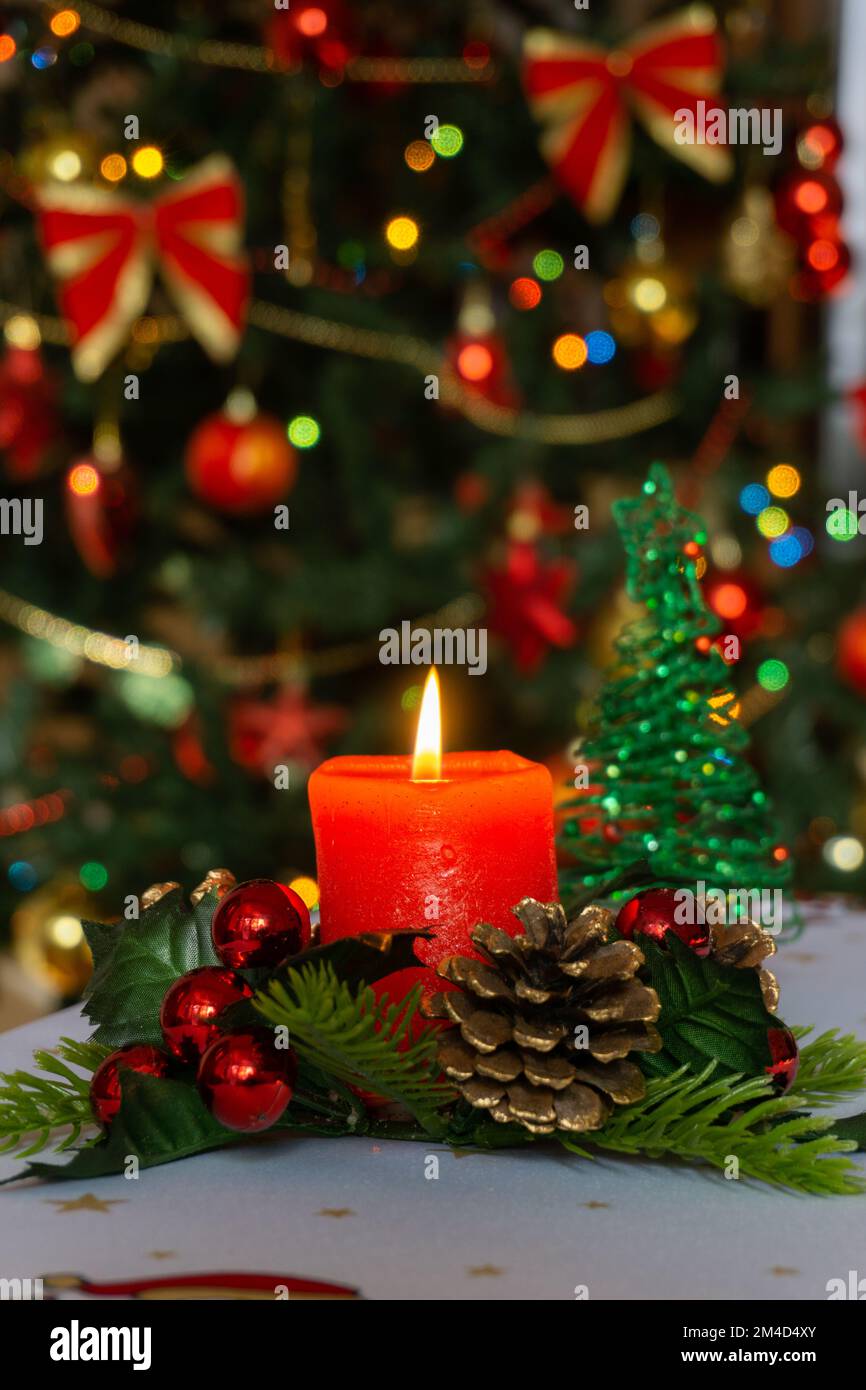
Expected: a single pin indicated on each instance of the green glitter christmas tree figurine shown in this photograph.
(664, 765)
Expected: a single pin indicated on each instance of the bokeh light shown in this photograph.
(311, 22)
(842, 524)
(402, 233)
(754, 498)
(822, 254)
(773, 521)
(783, 480)
(113, 168)
(419, 155)
(307, 889)
(44, 57)
(773, 674)
(844, 852)
(649, 294)
(810, 196)
(729, 600)
(64, 23)
(447, 141)
(600, 347)
(569, 352)
(93, 876)
(303, 431)
(8, 47)
(65, 165)
(148, 162)
(83, 479)
(786, 551)
(645, 227)
(548, 265)
(475, 362)
(524, 292)
(22, 876)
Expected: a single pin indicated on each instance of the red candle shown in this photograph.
(430, 841)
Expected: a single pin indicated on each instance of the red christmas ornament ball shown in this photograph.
(245, 1081)
(192, 1007)
(851, 650)
(105, 1085)
(652, 913)
(260, 923)
(785, 1057)
(240, 466)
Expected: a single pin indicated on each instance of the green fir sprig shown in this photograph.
(34, 1108)
(713, 1119)
(360, 1040)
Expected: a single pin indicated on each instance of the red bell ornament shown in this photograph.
(654, 914)
(105, 1086)
(260, 923)
(245, 1081)
(192, 1008)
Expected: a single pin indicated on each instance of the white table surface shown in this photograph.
(504, 1226)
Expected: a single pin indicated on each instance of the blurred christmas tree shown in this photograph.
(448, 368)
(669, 780)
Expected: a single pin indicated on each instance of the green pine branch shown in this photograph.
(359, 1040)
(685, 1116)
(33, 1108)
(832, 1069)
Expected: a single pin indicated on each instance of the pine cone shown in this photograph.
(514, 1052)
(745, 945)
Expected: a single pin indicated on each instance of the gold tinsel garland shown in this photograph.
(593, 428)
(249, 57)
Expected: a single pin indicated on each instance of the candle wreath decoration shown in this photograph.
(219, 1018)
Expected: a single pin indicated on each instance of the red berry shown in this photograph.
(246, 1081)
(260, 923)
(785, 1055)
(105, 1085)
(653, 913)
(192, 1006)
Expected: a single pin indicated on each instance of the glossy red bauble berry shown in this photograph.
(785, 1057)
(654, 912)
(246, 1081)
(192, 1008)
(105, 1086)
(260, 923)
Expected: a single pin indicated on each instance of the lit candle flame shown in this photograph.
(427, 759)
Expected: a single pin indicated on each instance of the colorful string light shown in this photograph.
(600, 347)
(64, 23)
(402, 233)
(754, 498)
(148, 162)
(773, 674)
(419, 155)
(304, 432)
(524, 292)
(475, 362)
(113, 168)
(783, 480)
(773, 521)
(548, 265)
(447, 141)
(569, 351)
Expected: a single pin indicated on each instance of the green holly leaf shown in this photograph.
(158, 1121)
(710, 1012)
(135, 962)
(851, 1127)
